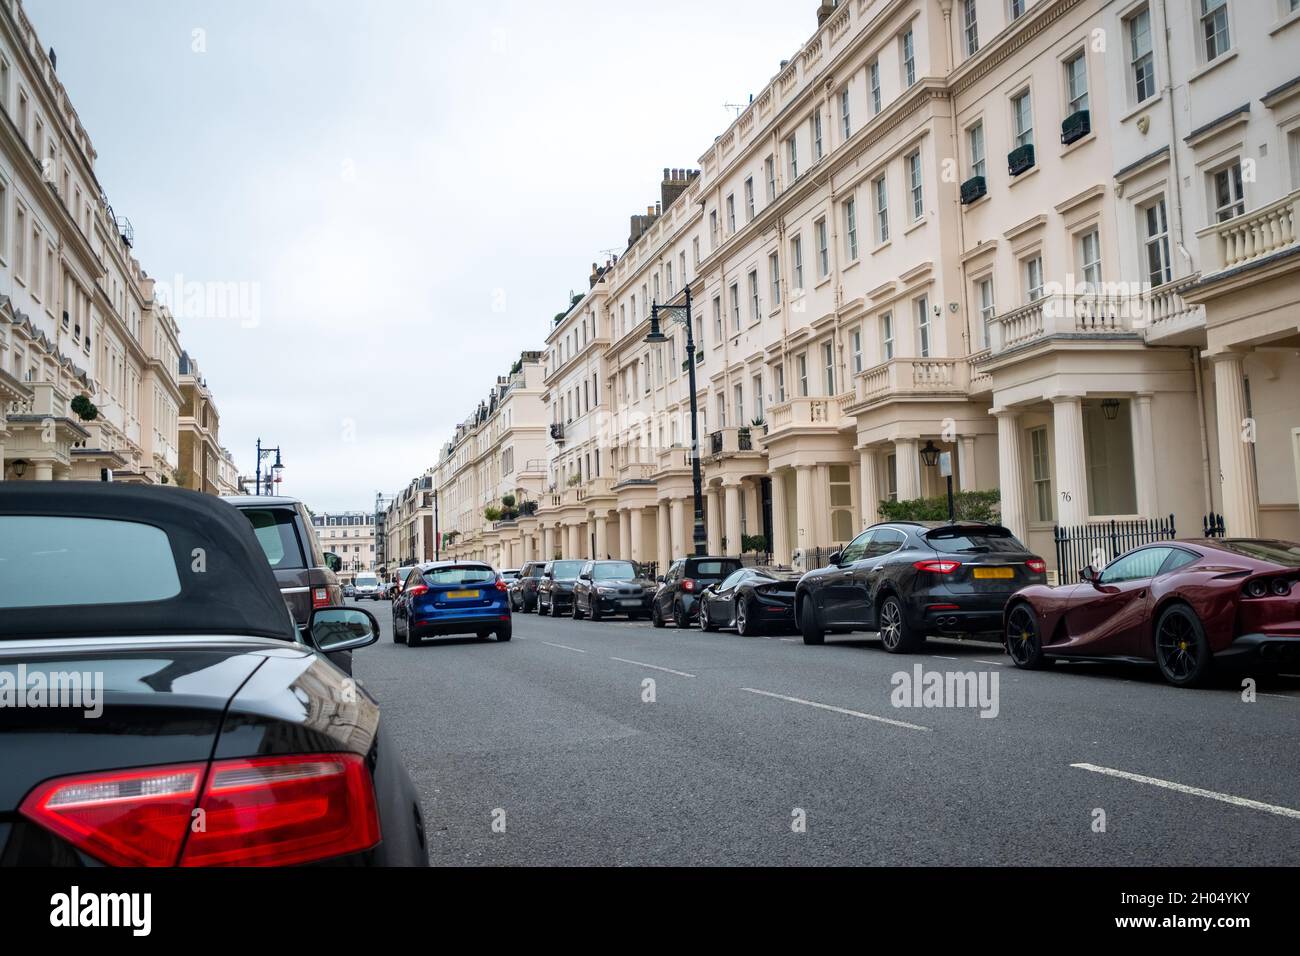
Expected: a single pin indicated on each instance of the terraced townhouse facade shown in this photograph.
(1052, 238)
(79, 318)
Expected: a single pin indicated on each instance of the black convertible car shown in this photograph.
(166, 709)
(910, 579)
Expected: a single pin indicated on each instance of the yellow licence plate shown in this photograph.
(994, 573)
(462, 594)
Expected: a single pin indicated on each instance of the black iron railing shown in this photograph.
(1101, 543)
(1212, 526)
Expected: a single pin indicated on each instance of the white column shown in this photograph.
(602, 536)
(1236, 461)
(966, 463)
(548, 543)
(713, 521)
(908, 469)
(803, 507)
(1011, 476)
(780, 543)
(732, 495)
(680, 531)
(44, 471)
(664, 535)
(625, 534)
(870, 479)
(751, 499)
(637, 518)
(1144, 456)
(1071, 486)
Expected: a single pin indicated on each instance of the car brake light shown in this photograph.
(280, 811)
(123, 817)
(688, 584)
(259, 811)
(501, 585)
(937, 567)
(415, 590)
(1037, 565)
(320, 597)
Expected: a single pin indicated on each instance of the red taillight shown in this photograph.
(501, 584)
(259, 811)
(415, 590)
(124, 817)
(1037, 565)
(937, 566)
(279, 811)
(688, 584)
(320, 597)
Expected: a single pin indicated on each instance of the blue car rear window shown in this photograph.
(460, 576)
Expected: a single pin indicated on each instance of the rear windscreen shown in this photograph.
(48, 561)
(274, 530)
(1286, 553)
(975, 541)
(714, 569)
(460, 576)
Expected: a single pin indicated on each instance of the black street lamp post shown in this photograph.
(271, 474)
(930, 455)
(682, 313)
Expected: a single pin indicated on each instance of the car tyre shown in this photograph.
(679, 617)
(702, 613)
(1182, 651)
(555, 608)
(896, 635)
(595, 610)
(505, 632)
(577, 613)
(1021, 638)
(746, 625)
(812, 632)
(656, 616)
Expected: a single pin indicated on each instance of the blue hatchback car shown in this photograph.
(442, 598)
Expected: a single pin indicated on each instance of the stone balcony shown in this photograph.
(734, 441)
(634, 471)
(1169, 319)
(808, 412)
(1069, 315)
(1249, 238)
(908, 377)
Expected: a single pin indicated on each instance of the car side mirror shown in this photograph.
(1089, 574)
(660, 580)
(333, 562)
(585, 575)
(835, 557)
(342, 629)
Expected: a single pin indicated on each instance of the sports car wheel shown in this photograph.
(705, 623)
(1182, 651)
(1022, 639)
(896, 635)
(746, 626)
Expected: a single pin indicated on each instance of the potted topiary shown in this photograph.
(85, 408)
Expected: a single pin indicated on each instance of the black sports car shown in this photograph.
(186, 693)
(910, 579)
(751, 600)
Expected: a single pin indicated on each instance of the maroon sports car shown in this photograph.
(1183, 604)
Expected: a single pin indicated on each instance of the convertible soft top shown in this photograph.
(226, 585)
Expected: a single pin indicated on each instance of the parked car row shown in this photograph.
(1183, 605)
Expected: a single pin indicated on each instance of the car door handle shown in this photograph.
(878, 567)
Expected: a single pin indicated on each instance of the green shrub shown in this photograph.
(967, 506)
(753, 542)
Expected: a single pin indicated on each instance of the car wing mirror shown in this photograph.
(342, 629)
(660, 580)
(1089, 574)
(835, 558)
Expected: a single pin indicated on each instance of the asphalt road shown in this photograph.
(548, 751)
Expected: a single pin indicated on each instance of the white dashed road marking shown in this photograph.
(1193, 791)
(653, 667)
(994, 663)
(838, 710)
(565, 647)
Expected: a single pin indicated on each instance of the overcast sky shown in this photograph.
(408, 190)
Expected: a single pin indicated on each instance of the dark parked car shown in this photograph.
(284, 530)
(213, 703)
(523, 590)
(908, 580)
(679, 589)
(555, 589)
(451, 597)
(751, 600)
(612, 587)
(1187, 605)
